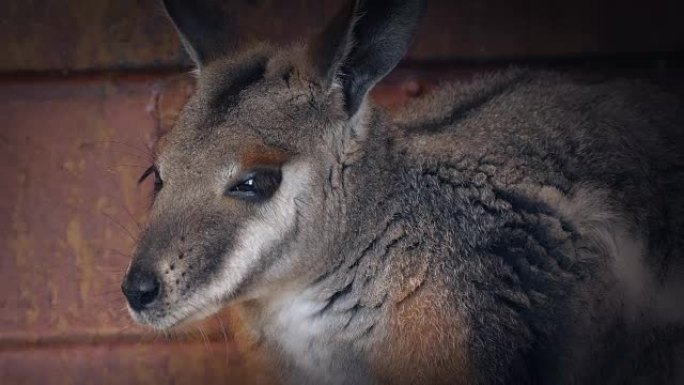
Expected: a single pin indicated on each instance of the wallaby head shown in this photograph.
(242, 207)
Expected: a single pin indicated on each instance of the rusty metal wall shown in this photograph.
(87, 86)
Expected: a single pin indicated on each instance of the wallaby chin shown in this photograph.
(519, 228)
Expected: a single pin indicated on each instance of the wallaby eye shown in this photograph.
(158, 183)
(257, 185)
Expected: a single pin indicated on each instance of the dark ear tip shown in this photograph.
(206, 27)
(170, 6)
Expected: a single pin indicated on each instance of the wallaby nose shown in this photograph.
(141, 288)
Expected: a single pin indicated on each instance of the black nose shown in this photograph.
(141, 288)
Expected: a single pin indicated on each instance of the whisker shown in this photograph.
(116, 166)
(130, 214)
(133, 238)
(115, 251)
(146, 158)
(204, 337)
(144, 151)
(225, 336)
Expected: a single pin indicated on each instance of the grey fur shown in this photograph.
(536, 219)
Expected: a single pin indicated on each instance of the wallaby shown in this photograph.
(520, 228)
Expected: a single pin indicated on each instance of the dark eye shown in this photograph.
(158, 183)
(256, 186)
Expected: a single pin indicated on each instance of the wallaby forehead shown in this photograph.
(257, 133)
(259, 101)
(258, 122)
(259, 78)
(196, 151)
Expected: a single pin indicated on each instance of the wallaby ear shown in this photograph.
(204, 26)
(362, 44)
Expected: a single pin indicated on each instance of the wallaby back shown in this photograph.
(519, 228)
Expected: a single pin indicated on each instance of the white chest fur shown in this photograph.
(312, 343)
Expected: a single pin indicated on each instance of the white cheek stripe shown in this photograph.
(260, 234)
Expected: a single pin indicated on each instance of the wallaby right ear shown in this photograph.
(362, 44)
(204, 26)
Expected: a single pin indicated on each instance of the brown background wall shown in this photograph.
(87, 85)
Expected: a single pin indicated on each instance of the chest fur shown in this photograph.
(314, 343)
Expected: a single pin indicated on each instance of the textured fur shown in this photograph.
(519, 228)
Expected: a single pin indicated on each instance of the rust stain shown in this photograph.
(84, 259)
(22, 247)
(150, 363)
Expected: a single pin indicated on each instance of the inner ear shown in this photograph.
(362, 44)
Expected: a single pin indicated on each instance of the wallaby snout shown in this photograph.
(141, 288)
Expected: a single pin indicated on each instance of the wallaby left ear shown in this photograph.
(205, 28)
(362, 44)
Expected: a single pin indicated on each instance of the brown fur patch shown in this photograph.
(255, 358)
(260, 156)
(425, 343)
